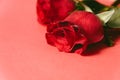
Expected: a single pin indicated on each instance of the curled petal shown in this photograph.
(80, 45)
(67, 37)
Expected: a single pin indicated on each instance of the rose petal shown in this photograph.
(80, 45)
(53, 10)
(89, 23)
(66, 37)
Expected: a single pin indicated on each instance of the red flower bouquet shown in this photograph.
(72, 25)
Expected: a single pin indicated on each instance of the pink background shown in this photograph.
(25, 55)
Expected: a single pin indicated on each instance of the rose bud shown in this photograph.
(66, 37)
(53, 10)
(90, 24)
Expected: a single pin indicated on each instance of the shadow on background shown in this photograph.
(96, 48)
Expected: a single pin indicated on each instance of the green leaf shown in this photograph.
(105, 16)
(107, 37)
(79, 6)
(82, 6)
(87, 8)
(94, 5)
(114, 22)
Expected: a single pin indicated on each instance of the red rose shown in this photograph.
(66, 37)
(89, 23)
(53, 10)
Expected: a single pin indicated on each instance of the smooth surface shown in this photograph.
(107, 2)
(25, 55)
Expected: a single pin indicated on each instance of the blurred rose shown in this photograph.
(53, 10)
(66, 37)
(89, 23)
